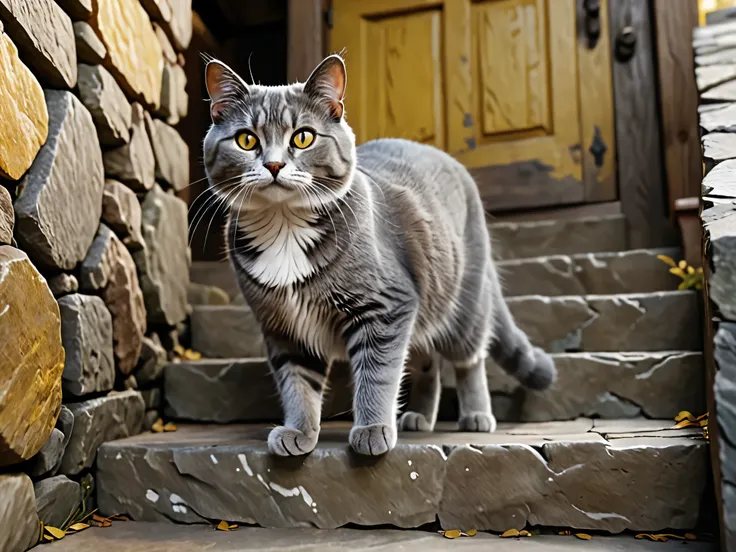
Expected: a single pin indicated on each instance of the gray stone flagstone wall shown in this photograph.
(94, 256)
(715, 60)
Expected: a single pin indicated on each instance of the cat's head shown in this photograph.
(279, 143)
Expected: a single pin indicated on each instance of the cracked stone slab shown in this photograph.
(107, 104)
(239, 390)
(490, 482)
(659, 321)
(96, 421)
(169, 150)
(607, 385)
(516, 240)
(637, 271)
(59, 206)
(226, 332)
(56, 499)
(133, 163)
(121, 211)
(90, 48)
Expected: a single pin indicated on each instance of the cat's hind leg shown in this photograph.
(424, 398)
(473, 396)
(300, 380)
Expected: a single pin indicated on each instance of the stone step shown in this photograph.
(636, 271)
(605, 385)
(661, 321)
(168, 537)
(519, 240)
(584, 474)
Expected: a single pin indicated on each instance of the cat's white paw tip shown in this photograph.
(480, 422)
(414, 421)
(373, 440)
(286, 441)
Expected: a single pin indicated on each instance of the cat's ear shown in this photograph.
(327, 84)
(223, 86)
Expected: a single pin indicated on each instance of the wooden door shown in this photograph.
(511, 88)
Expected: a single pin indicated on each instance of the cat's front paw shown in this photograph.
(373, 440)
(480, 422)
(414, 421)
(286, 441)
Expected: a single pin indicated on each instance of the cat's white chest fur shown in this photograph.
(281, 235)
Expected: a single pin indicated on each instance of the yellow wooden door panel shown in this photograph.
(403, 83)
(514, 86)
(496, 83)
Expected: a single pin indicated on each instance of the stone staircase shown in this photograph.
(597, 451)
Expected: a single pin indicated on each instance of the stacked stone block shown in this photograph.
(94, 258)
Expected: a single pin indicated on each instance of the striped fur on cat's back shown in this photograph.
(378, 255)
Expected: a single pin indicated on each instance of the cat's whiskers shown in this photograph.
(221, 204)
(337, 206)
(211, 200)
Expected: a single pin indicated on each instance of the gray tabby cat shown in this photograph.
(378, 255)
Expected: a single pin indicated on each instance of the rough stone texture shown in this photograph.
(60, 201)
(515, 240)
(605, 385)
(45, 38)
(18, 510)
(153, 360)
(107, 104)
(134, 56)
(661, 321)
(638, 271)
(7, 217)
(96, 421)
(56, 499)
(159, 10)
(79, 9)
(725, 398)
(49, 455)
(90, 48)
(226, 332)
(164, 263)
(166, 47)
(86, 333)
(240, 390)
(561, 474)
(199, 294)
(109, 269)
(63, 284)
(121, 211)
(151, 398)
(169, 149)
(22, 111)
(32, 358)
(174, 97)
(180, 29)
(133, 163)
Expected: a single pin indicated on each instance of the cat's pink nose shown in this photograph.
(274, 168)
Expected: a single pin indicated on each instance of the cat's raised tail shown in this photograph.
(511, 350)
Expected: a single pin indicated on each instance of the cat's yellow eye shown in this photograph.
(246, 141)
(302, 138)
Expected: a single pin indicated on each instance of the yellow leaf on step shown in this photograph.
(525, 533)
(583, 536)
(55, 532)
(451, 534)
(233, 526)
(158, 426)
(510, 533)
(223, 526)
(568, 533)
(171, 426)
(79, 527)
(684, 415)
(667, 260)
(471, 533)
(691, 536)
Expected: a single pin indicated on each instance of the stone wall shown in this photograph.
(94, 257)
(715, 60)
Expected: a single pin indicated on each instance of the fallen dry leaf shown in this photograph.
(565, 533)
(510, 533)
(451, 534)
(223, 526)
(583, 536)
(54, 532)
(233, 526)
(78, 527)
(691, 536)
(158, 426)
(171, 426)
(471, 533)
(525, 533)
